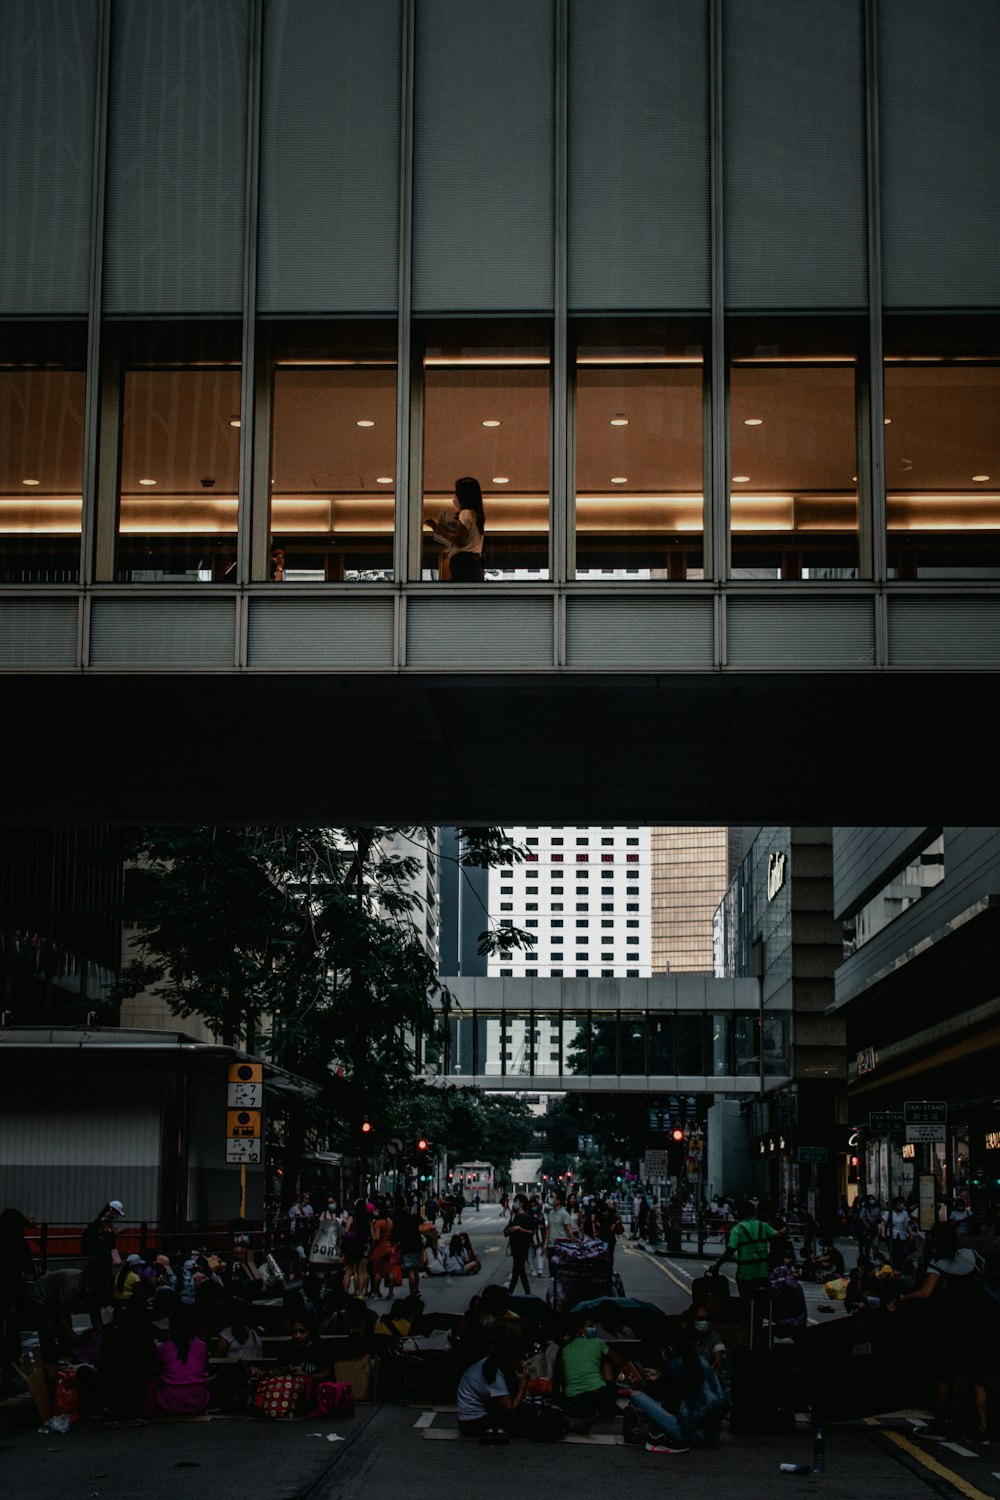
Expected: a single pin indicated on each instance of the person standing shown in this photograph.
(748, 1247)
(99, 1236)
(406, 1234)
(897, 1227)
(459, 1204)
(559, 1225)
(520, 1232)
(462, 533)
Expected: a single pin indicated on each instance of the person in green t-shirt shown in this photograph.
(585, 1372)
(748, 1246)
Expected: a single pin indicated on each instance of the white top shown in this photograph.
(476, 1393)
(475, 541)
(251, 1347)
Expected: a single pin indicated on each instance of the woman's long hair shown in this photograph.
(182, 1328)
(361, 1221)
(470, 497)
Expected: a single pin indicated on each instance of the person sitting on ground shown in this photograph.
(863, 1288)
(487, 1318)
(585, 1372)
(239, 1339)
(489, 1402)
(307, 1355)
(397, 1323)
(684, 1405)
(826, 1263)
(458, 1258)
(695, 1326)
(179, 1386)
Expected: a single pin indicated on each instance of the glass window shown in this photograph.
(793, 448)
(639, 449)
(746, 1059)
(576, 1044)
(180, 452)
(776, 1039)
(460, 1043)
(488, 1045)
(603, 1044)
(942, 446)
(333, 451)
(661, 1042)
(720, 1044)
(42, 399)
(632, 1043)
(546, 1041)
(517, 1039)
(486, 414)
(690, 1043)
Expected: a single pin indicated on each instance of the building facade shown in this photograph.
(705, 292)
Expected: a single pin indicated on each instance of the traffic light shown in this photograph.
(677, 1135)
(853, 1163)
(366, 1126)
(423, 1145)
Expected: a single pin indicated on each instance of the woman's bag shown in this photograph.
(282, 1396)
(334, 1398)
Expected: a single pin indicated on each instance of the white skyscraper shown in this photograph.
(584, 893)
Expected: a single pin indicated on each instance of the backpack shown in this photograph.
(636, 1427)
(544, 1421)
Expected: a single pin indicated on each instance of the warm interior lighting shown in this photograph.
(491, 422)
(741, 478)
(612, 359)
(886, 421)
(499, 479)
(484, 361)
(31, 481)
(980, 478)
(41, 517)
(365, 422)
(234, 422)
(619, 421)
(384, 479)
(147, 481)
(619, 479)
(753, 421)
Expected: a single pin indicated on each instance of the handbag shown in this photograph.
(282, 1396)
(325, 1248)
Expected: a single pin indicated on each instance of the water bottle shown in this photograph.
(793, 1468)
(819, 1452)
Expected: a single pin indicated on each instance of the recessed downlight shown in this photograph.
(500, 479)
(619, 420)
(741, 478)
(234, 421)
(384, 479)
(365, 422)
(147, 481)
(753, 421)
(491, 422)
(619, 479)
(31, 481)
(886, 421)
(980, 478)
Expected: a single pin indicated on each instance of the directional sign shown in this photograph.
(885, 1120)
(394, 1146)
(245, 1095)
(243, 1124)
(819, 1155)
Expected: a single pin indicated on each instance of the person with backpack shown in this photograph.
(748, 1247)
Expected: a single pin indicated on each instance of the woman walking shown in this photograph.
(355, 1245)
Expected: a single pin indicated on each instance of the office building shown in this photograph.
(690, 870)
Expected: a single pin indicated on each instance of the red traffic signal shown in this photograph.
(677, 1134)
(422, 1143)
(367, 1127)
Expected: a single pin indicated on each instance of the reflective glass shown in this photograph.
(690, 1043)
(180, 453)
(746, 1058)
(486, 402)
(720, 1043)
(793, 448)
(333, 452)
(942, 447)
(460, 1042)
(488, 1045)
(576, 1045)
(603, 1048)
(639, 465)
(517, 1043)
(42, 397)
(632, 1043)
(547, 1045)
(661, 1043)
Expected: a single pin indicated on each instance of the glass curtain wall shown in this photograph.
(333, 452)
(639, 399)
(486, 414)
(178, 493)
(793, 440)
(42, 398)
(942, 446)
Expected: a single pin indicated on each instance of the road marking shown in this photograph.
(962, 1452)
(667, 1272)
(962, 1485)
(425, 1419)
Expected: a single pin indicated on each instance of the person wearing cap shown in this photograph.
(99, 1236)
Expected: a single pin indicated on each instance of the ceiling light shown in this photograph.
(753, 421)
(976, 478)
(491, 422)
(619, 420)
(741, 478)
(619, 479)
(500, 479)
(147, 481)
(31, 481)
(386, 479)
(886, 421)
(234, 421)
(365, 422)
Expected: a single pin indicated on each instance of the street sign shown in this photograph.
(394, 1146)
(242, 1151)
(882, 1121)
(245, 1095)
(819, 1155)
(243, 1124)
(925, 1112)
(246, 1072)
(923, 1135)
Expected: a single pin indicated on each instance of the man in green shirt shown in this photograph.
(748, 1242)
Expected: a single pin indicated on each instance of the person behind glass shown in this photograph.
(461, 533)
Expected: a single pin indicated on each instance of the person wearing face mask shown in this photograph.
(585, 1372)
(702, 1337)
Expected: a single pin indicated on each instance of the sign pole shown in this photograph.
(243, 1189)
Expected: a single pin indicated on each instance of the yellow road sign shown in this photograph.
(246, 1072)
(243, 1124)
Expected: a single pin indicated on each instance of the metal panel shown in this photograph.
(329, 186)
(159, 632)
(482, 634)
(794, 135)
(321, 632)
(48, 68)
(800, 632)
(944, 632)
(176, 157)
(38, 633)
(939, 132)
(483, 177)
(638, 155)
(641, 633)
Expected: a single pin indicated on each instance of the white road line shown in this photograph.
(425, 1419)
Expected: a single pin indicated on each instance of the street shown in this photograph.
(393, 1449)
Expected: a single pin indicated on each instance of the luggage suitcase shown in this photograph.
(766, 1385)
(582, 1270)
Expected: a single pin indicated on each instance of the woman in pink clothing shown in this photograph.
(179, 1386)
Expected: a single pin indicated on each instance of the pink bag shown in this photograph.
(334, 1398)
